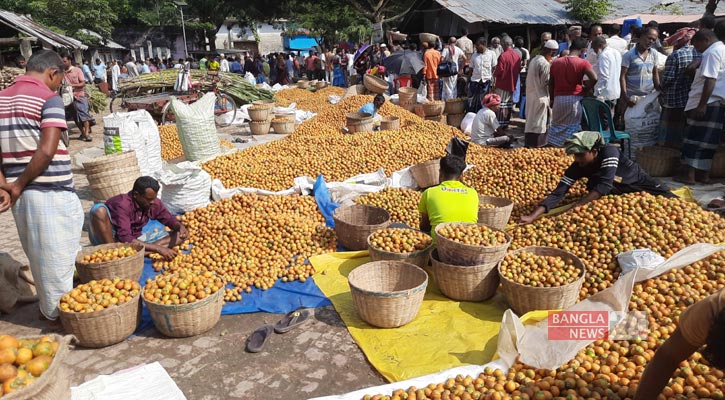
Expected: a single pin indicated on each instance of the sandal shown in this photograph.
(683, 179)
(258, 338)
(293, 320)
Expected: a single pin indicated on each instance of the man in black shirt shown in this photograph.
(607, 170)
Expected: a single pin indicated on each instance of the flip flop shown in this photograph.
(258, 338)
(293, 320)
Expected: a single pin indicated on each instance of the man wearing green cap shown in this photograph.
(607, 170)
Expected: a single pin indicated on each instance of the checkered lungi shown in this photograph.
(702, 137)
(49, 225)
(566, 117)
(672, 125)
(433, 89)
(504, 111)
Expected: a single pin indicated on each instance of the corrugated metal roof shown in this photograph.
(108, 43)
(665, 7)
(662, 19)
(31, 28)
(549, 12)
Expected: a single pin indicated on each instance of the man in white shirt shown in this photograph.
(115, 72)
(483, 63)
(607, 69)
(538, 112)
(705, 109)
(615, 41)
(589, 55)
(496, 46)
(223, 64)
(454, 54)
(131, 68)
(465, 44)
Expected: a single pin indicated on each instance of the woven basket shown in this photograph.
(360, 126)
(455, 106)
(125, 268)
(118, 184)
(186, 320)
(357, 117)
(498, 217)
(427, 37)
(390, 124)
(260, 127)
(264, 103)
(387, 294)
(258, 113)
(407, 95)
(718, 163)
(353, 224)
(427, 174)
(54, 383)
(433, 108)
(523, 298)
(303, 84)
(321, 84)
(375, 84)
(410, 107)
(283, 126)
(99, 178)
(103, 328)
(419, 258)
(455, 253)
(455, 120)
(658, 161)
(111, 162)
(465, 283)
(443, 118)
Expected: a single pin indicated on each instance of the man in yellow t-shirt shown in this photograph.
(451, 201)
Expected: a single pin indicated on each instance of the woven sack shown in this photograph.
(197, 129)
(54, 383)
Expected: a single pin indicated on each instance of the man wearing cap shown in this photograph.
(223, 64)
(607, 170)
(537, 94)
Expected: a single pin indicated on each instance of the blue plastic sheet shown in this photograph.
(324, 201)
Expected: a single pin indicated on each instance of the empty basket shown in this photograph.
(427, 174)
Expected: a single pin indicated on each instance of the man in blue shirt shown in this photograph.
(87, 72)
(373, 107)
(236, 66)
(99, 72)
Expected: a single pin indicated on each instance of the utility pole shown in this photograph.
(179, 4)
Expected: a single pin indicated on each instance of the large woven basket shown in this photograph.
(118, 184)
(427, 174)
(455, 106)
(427, 37)
(390, 124)
(498, 217)
(111, 162)
(523, 298)
(100, 178)
(361, 126)
(260, 127)
(129, 267)
(353, 224)
(658, 161)
(259, 113)
(465, 283)
(419, 258)
(283, 126)
(407, 95)
(357, 117)
(455, 120)
(452, 252)
(375, 84)
(443, 118)
(387, 294)
(186, 320)
(264, 103)
(54, 383)
(106, 327)
(718, 163)
(433, 108)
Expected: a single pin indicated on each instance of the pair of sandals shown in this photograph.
(85, 138)
(259, 337)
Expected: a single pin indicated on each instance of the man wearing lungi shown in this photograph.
(537, 90)
(483, 62)
(74, 78)
(506, 74)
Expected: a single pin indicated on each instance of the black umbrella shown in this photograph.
(406, 62)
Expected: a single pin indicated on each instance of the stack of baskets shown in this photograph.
(659, 161)
(408, 98)
(497, 217)
(354, 224)
(426, 174)
(467, 272)
(455, 110)
(112, 174)
(375, 84)
(261, 114)
(523, 298)
(433, 111)
(359, 122)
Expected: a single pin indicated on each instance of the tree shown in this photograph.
(589, 10)
(376, 11)
(343, 24)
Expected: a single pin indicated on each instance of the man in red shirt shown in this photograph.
(431, 59)
(122, 218)
(506, 74)
(74, 77)
(310, 65)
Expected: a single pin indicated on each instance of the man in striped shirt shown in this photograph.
(607, 169)
(35, 173)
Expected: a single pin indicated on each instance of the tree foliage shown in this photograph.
(382, 10)
(344, 23)
(589, 10)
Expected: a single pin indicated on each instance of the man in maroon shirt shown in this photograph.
(122, 218)
(506, 74)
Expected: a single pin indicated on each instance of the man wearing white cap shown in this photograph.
(384, 49)
(223, 64)
(537, 95)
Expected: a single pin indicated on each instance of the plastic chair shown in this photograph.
(402, 81)
(593, 110)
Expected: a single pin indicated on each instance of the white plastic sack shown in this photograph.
(639, 258)
(152, 142)
(467, 123)
(277, 87)
(403, 179)
(137, 131)
(642, 120)
(250, 78)
(197, 128)
(219, 192)
(333, 99)
(184, 187)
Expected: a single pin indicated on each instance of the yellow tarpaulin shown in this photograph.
(445, 334)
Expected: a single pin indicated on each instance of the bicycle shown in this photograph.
(225, 110)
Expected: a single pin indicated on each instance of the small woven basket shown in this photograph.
(465, 283)
(419, 258)
(390, 124)
(523, 298)
(54, 383)
(353, 224)
(455, 120)
(105, 327)
(283, 126)
(264, 103)
(433, 108)
(658, 161)
(185, 320)
(452, 252)
(387, 294)
(260, 127)
(455, 106)
(407, 96)
(498, 217)
(110, 162)
(375, 84)
(129, 267)
(427, 174)
(257, 113)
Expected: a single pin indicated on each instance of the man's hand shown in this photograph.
(183, 233)
(14, 190)
(527, 219)
(167, 253)
(5, 201)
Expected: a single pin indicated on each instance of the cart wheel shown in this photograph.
(118, 104)
(167, 116)
(224, 110)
